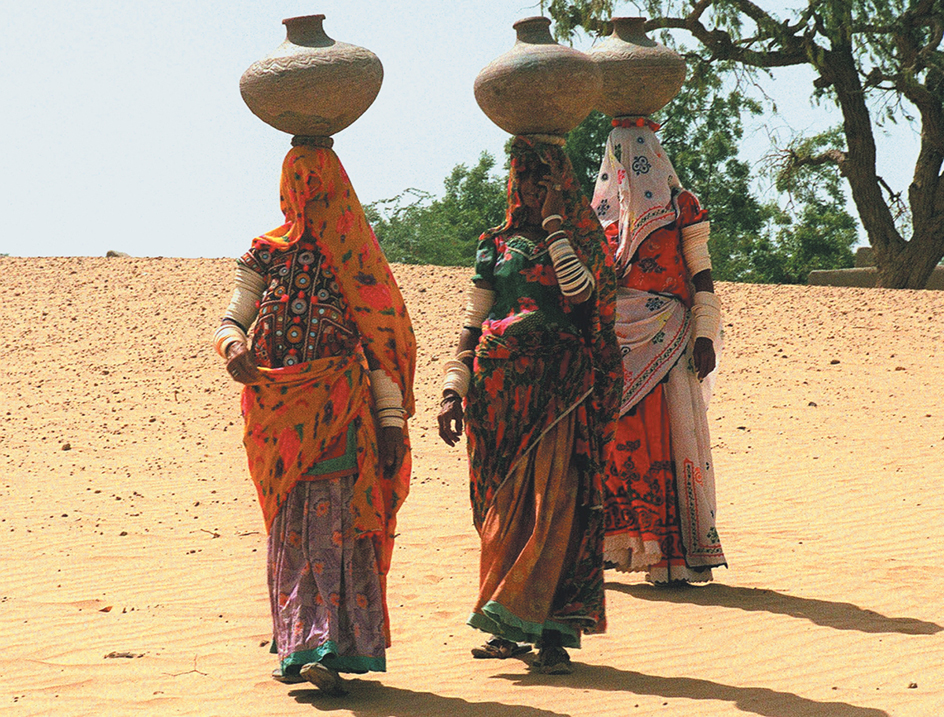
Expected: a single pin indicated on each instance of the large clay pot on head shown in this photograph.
(311, 84)
(538, 86)
(640, 76)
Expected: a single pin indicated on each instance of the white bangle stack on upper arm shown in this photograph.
(479, 303)
(242, 310)
(695, 247)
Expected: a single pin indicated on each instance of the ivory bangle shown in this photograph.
(391, 422)
(228, 334)
(706, 298)
(391, 418)
(578, 285)
(387, 395)
(250, 286)
(560, 248)
(478, 305)
(706, 315)
(555, 239)
(458, 377)
(573, 276)
(695, 247)
(548, 219)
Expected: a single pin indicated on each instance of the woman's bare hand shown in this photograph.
(240, 364)
(391, 446)
(450, 418)
(704, 356)
(553, 182)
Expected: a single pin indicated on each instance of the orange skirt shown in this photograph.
(641, 504)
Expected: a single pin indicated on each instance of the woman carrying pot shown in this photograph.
(325, 437)
(537, 368)
(660, 488)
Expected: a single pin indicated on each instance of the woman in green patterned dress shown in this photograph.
(538, 367)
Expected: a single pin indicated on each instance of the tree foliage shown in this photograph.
(875, 60)
(415, 228)
(585, 147)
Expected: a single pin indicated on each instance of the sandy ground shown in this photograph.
(132, 555)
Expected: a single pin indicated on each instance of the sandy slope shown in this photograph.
(132, 575)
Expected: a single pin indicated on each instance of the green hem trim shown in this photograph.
(497, 620)
(327, 654)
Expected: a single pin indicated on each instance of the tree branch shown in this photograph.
(895, 199)
(754, 12)
(793, 160)
(723, 47)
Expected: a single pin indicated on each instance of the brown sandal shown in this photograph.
(553, 661)
(286, 679)
(499, 649)
(324, 678)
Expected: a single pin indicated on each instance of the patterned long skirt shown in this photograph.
(530, 536)
(324, 588)
(642, 515)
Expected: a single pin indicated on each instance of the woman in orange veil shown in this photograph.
(318, 333)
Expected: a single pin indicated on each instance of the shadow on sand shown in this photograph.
(757, 700)
(837, 615)
(369, 698)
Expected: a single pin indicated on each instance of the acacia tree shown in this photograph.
(874, 59)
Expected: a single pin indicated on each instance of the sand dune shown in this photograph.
(132, 563)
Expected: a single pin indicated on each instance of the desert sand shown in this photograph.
(132, 564)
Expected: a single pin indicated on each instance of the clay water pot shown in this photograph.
(310, 84)
(538, 86)
(640, 76)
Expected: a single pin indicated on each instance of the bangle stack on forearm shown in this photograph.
(227, 335)
(458, 377)
(388, 400)
(573, 276)
(706, 315)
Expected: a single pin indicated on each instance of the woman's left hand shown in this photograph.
(704, 356)
(392, 449)
(450, 418)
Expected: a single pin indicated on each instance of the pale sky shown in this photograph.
(122, 126)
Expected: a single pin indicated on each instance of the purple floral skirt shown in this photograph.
(323, 585)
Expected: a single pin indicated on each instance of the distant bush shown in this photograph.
(416, 228)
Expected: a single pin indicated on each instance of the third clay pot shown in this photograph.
(640, 76)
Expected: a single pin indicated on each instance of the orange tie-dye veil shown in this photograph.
(315, 193)
(299, 410)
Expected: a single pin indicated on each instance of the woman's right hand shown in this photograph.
(450, 418)
(240, 364)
